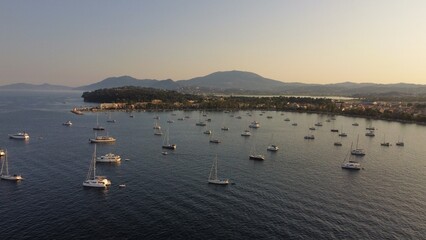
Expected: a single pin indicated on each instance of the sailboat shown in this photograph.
(158, 132)
(213, 140)
(109, 118)
(91, 179)
(200, 122)
(342, 134)
(384, 143)
(350, 164)
(254, 156)
(213, 179)
(166, 143)
(357, 151)
(156, 124)
(4, 173)
(400, 143)
(271, 146)
(98, 127)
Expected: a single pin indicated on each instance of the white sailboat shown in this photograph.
(350, 164)
(4, 173)
(213, 179)
(272, 147)
(384, 143)
(109, 118)
(166, 143)
(357, 151)
(254, 155)
(98, 127)
(400, 143)
(92, 180)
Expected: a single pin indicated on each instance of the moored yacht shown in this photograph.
(102, 139)
(254, 124)
(352, 165)
(4, 172)
(246, 133)
(91, 179)
(256, 157)
(272, 148)
(20, 135)
(109, 157)
(67, 123)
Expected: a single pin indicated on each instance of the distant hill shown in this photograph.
(241, 82)
(27, 86)
(114, 82)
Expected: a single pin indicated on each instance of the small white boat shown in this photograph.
(164, 153)
(122, 185)
(272, 148)
(213, 179)
(246, 133)
(4, 172)
(352, 165)
(207, 132)
(67, 123)
(2, 152)
(20, 135)
(370, 133)
(254, 124)
(200, 124)
(109, 157)
(91, 179)
(257, 157)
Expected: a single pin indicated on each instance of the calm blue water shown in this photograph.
(299, 192)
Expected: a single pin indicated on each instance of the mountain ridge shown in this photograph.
(238, 82)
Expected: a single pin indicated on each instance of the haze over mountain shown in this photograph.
(240, 82)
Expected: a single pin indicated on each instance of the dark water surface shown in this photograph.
(299, 192)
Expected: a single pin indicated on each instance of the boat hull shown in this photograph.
(11, 177)
(218, 182)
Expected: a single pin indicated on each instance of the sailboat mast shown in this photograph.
(94, 163)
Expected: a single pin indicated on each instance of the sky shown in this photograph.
(80, 42)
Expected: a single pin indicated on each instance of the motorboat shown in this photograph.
(287, 119)
(20, 135)
(109, 157)
(67, 123)
(337, 144)
(318, 124)
(343, 134)
(334, 130)
(208, 132)
(225, 128)
(312, 128)
(355, 124)
(254, 124)
(294, 124)
(214, 140)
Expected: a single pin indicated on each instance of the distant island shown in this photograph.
(137, 98)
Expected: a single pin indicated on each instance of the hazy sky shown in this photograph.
(79, 42)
